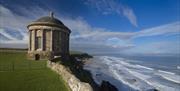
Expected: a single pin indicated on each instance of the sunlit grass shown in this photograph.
(19, 74)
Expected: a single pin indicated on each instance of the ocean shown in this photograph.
(137, 73)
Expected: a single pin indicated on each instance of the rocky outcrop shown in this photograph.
(74, 83)
(106, 86)
(152, 90)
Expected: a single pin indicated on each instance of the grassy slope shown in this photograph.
(27, 75)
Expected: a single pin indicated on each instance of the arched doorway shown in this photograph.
(37, 57)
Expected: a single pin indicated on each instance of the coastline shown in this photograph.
(74, 66)
(76, 76)
(128, 76)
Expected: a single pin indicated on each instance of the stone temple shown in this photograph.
(48, 38)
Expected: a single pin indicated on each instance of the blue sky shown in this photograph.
(149, 27)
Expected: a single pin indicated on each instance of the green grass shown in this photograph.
(19, 74)
(10, 61)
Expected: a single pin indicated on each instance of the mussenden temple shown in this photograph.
(48, 38)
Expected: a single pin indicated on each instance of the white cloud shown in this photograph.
(127, 12)
(166, 29)
(82, 30)
(14, 22)
(112, 6)
(97, 48)
(157, 48)
(118, 43)
(2, 31)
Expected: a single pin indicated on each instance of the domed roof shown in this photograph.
(49, 19)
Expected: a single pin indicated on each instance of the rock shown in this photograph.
(152, 89)
(73, 82)
(106, 86)
(98, 74)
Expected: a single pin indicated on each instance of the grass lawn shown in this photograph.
(19, 74)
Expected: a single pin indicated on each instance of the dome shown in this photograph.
(49, 19)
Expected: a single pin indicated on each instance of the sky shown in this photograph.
(131, 27)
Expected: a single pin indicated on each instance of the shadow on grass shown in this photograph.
(76, 67)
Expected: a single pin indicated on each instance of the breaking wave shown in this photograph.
(178, 67)
(128, 76)
(169, 76)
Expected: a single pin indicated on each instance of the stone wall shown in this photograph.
(74, 83)
(43, 55)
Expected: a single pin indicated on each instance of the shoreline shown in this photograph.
(105, 85)
(127, 76)
(75, 66)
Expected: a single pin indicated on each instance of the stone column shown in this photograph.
(68, 43)
(29, 45)
(34, 40)
(42, 40)
(51, 41)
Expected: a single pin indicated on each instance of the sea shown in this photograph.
(137, 73)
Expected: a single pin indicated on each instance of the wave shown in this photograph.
(166, 72)
(140, 66)
(121, 61)
(135, 76)
(169, 76)
(178, 67)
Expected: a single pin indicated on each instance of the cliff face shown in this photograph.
(106, 86)
(74, 83)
